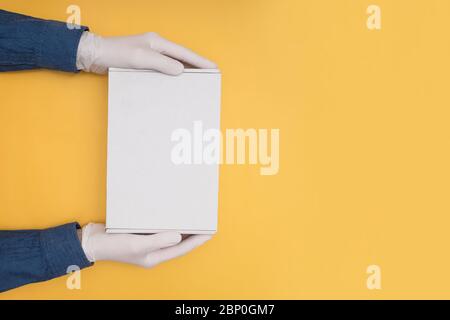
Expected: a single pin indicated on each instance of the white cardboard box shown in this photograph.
(146, 191)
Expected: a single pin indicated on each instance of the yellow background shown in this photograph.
(364, 149)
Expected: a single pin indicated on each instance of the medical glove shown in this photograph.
(144, 51)
(143, 250)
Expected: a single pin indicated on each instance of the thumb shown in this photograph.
(153, 60)
(152, 242)
(189, 244)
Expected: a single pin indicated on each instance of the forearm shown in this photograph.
(28, 256)
(30, 43)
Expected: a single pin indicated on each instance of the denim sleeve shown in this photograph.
(31, 43)
(28, 256)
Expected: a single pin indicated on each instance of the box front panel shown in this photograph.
(154, 123)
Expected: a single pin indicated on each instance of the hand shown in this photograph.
(143, 51)
(143, 250)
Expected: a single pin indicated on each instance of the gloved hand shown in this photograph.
(143, 51)
(143, 250)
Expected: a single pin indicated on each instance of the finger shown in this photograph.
(185, 246)
(149, 59)
(148, 243)
(181, 53)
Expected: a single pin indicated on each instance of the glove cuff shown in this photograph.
(87, 230)
(87, 53)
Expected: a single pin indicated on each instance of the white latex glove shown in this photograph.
(143, 51)
(143, 250)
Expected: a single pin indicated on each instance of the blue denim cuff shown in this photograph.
(59, 45)
(62, 249)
